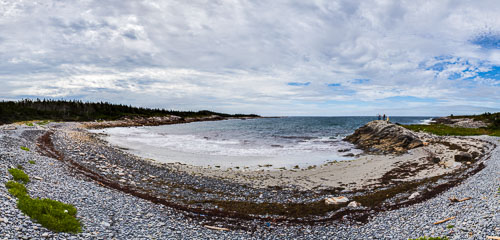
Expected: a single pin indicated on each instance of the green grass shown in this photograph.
(25, 148)
(31, 162)
(19, 175)
(443, 130)
(450, 226)
(430, 238)
(54, 215)
(29, 124)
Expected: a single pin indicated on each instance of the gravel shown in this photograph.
(107, 213)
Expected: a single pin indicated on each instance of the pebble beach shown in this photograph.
(108, 213)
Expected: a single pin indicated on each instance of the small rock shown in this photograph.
(105, 224)
(414, 195)
(354, 204)
(336, 200)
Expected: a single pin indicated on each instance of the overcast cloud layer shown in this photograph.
(266, 57)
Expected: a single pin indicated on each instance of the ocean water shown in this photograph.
(254, 143)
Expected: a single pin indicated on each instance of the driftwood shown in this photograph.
(444, 220)
(216, 228)
(493, 237)
(454, 199)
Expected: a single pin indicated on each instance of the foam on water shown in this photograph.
(281, 142)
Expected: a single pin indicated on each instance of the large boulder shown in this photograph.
(384, 137)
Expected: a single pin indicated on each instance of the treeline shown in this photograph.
(62, 110)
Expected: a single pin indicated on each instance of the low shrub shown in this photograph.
(53, 215)
(19, 175)
(16, 189)
(444, 130)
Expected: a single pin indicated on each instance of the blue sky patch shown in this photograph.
(360, 81)
(494, 73)
(334, 85)
(488, 41)
(298, 84)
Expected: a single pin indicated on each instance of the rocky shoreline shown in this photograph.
(164, 200)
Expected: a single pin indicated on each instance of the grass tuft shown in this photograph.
(25, 148)
(52, 214)
(19, 175)
(16, 189)
(31, 162)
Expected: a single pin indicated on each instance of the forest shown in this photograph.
(76, 110)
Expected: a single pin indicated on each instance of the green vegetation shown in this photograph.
(60, 110)
(430, 238)
(443, 130)
(25, 148)
(492, 119)
(19, 175)
(31, 162)
(44, 122)
(53, 215)
(450, 226)
(17, 190)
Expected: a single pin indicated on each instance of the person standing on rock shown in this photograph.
(383, 117)
(378, 116)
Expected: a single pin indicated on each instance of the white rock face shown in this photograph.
(336, 200)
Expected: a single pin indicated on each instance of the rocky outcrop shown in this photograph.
(460, 122)
(148, 121)
(384, 137)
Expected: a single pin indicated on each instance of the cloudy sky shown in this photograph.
(266, 57)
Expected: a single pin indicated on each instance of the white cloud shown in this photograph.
(238, 56)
